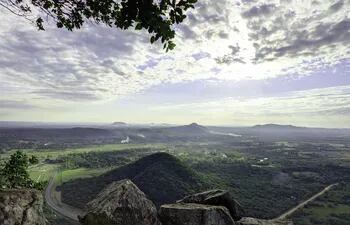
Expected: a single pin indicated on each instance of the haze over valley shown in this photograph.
(283, 164)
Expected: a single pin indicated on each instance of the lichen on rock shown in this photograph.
(194, 214)
(21, 206)
(218, 198)
(121, 203)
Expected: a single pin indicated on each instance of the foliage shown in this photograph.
(265, 191)
(99, 159)
(162, 177)
(157, 17)
(333, 208)
(14, 173)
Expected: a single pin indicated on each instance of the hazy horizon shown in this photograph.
(69, 124)
(236, 63)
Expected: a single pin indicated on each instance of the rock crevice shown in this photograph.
(22, 206)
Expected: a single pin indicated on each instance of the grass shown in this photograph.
(54, 153)
(43, 172)
(327, 210)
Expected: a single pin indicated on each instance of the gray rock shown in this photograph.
(218, 198)
(254, 221)
(121, 203)
(194, 214)
(22, 206)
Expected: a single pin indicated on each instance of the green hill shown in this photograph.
(162, 177)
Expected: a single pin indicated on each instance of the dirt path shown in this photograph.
(302, 204)
(53, 199)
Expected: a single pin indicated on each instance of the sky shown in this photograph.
(236, 63)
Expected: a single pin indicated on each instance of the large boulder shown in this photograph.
(254, 221)
(121, 203)
(194, 214)
(217, 198)
(22, 206)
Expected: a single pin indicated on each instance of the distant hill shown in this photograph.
(278, 132)
(119, 124)
(277, 126)
(162, 177)
(191, 129)
(56, 133)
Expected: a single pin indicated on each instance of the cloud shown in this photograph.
(258, 11)
(311, 42)
(297, 30)
(326, 106)
(232, 57)
(13, 104)
(68, 95)
(224, 40)
(337, 6)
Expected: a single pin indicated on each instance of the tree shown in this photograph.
(155, 16)
(33, 160)
(14, 173)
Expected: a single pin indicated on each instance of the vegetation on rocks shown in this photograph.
(14, 173)
(162, 177)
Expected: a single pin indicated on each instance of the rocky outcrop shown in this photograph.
(254, 221)
(216, 198)
(194, 214)
(121, 203)
(23, 206)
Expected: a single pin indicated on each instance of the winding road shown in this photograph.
(302, 204)
(53, 199)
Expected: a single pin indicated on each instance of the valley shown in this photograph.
(268, 169)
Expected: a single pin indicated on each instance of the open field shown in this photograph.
(43, 171)
(54, 153)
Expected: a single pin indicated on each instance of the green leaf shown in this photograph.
(138, 26)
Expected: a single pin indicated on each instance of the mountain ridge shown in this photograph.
(161, 176)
